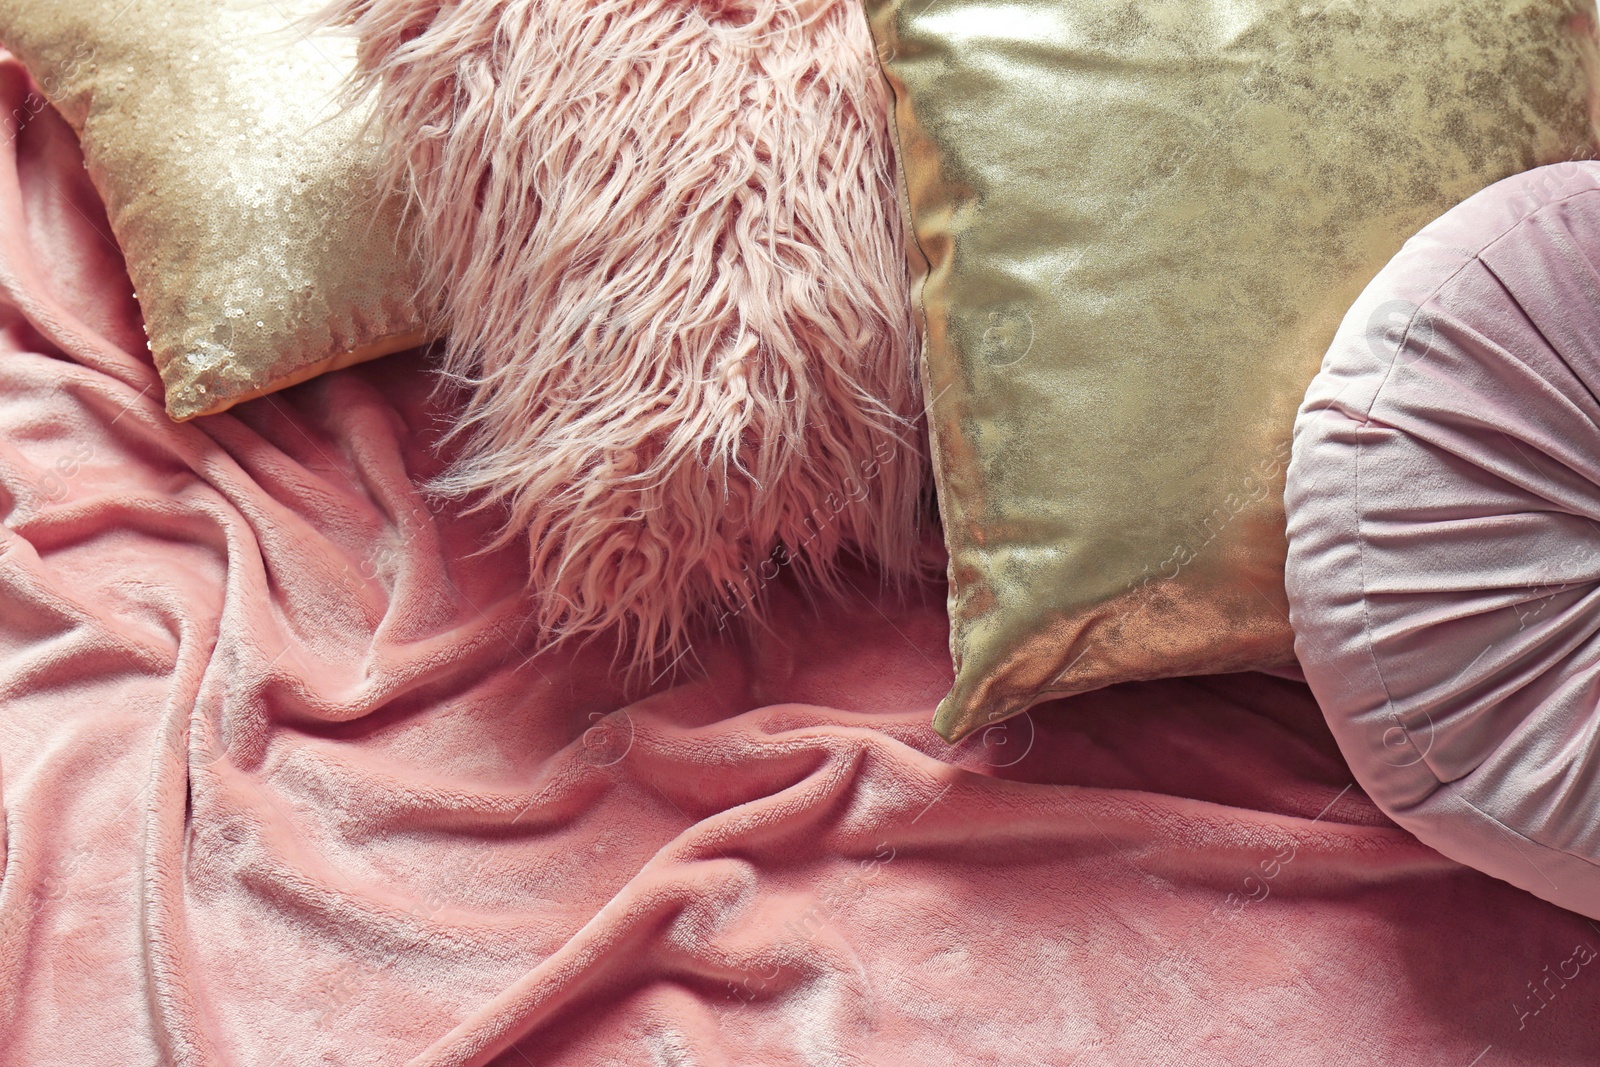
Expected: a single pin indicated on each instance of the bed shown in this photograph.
(286, 781)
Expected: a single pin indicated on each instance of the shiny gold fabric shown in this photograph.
(1143, 221)
(245, 203)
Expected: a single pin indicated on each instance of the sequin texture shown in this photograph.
(261, 246)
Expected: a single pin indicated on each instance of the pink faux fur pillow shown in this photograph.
(667, 240)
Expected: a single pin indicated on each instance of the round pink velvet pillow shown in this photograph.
(1444, 534)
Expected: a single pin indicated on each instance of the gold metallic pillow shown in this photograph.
(1144, 220)
(260, 243)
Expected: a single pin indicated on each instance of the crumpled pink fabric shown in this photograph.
(282, 786)
(1444, 534)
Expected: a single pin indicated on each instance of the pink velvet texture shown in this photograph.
(1444, 507)
(666, 240)
(283, 785)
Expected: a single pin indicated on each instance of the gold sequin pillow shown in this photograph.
(1144, 220)
(260, 243)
